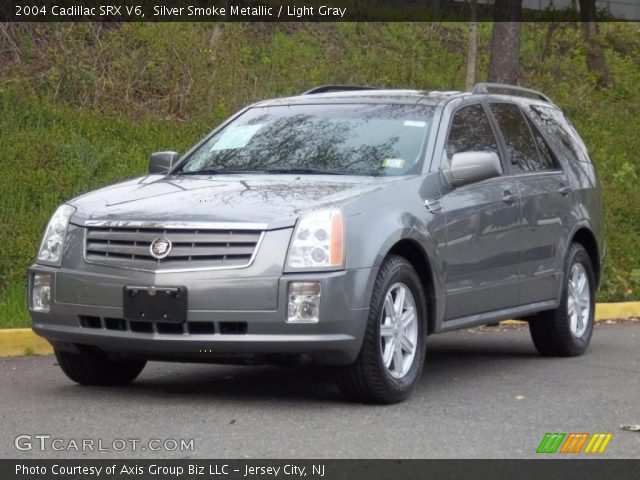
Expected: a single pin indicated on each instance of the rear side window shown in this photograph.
(471, 132)
(547, 158)
(561, 132)
(517, 136)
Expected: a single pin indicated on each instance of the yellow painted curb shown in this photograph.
(610, 311)
(15, 342)
(607, 311)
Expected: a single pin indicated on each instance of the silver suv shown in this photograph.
(344, 225)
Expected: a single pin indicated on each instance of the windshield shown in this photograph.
(369, 139)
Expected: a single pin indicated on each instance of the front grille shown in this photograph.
(122, 325)
(233, 328)
(191, 248)
(90, 322)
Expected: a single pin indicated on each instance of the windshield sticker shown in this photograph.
(414, 123)
(235, 137)
(393, 163)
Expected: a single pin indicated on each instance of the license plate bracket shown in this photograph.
(155, 304)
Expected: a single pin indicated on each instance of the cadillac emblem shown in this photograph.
(160, 248)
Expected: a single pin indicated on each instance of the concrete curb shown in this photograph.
(16, 342)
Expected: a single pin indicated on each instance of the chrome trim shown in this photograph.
(166, 253)
(172, 270)
(432, 206)
(541, 173)
(174, 225)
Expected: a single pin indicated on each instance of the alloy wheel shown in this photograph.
(578, 300)
(398, 330)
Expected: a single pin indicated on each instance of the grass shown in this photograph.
(13, 311)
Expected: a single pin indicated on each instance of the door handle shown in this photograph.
(432, 206)
(564, 190)
(509, 198)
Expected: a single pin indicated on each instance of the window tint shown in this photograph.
(568, 142)
(471, 132)
(546, 155)
(517, 136)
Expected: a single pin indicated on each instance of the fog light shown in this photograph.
(304, 302)
(41, 292)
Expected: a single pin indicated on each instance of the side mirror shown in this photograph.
(161, 162)
(471, 167)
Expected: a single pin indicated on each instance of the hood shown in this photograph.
(276, 200)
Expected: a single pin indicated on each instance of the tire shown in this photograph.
(369, 379)
(98, 369)
(564, 332)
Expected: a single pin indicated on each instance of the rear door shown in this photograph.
(481, 247)
(545, 198)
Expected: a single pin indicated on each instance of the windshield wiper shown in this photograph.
(305, 171)
(219, 172)
(274, 171)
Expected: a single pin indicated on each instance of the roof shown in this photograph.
(357, 94)
(366, 96)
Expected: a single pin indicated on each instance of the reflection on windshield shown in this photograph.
(367, 139)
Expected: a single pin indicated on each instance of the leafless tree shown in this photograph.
(505, 42)
(473, 45)
(596, 61)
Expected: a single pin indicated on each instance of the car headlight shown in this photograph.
(318, 241)
(51, 247)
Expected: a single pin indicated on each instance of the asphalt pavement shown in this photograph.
(485, 393)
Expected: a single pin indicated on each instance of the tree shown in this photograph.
(596, 61)
(505, 42)
(473, 45)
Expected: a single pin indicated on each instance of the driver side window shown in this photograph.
(471, 131)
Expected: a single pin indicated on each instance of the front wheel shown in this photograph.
(566, 331)
(89, 367)
(393, 350)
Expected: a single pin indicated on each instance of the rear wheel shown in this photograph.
(393, 349)
(566, 331)
(89, 367)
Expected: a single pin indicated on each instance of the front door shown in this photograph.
(482, 247)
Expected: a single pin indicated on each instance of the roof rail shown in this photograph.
(512, 89)
(336, 88)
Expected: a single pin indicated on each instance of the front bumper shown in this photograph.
(227, 317)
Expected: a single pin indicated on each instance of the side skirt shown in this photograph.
(495, 316)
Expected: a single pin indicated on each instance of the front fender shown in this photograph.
(373, 246)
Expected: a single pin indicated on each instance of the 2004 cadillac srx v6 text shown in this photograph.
(343, 225)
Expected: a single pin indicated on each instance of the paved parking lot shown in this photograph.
(484, 393)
